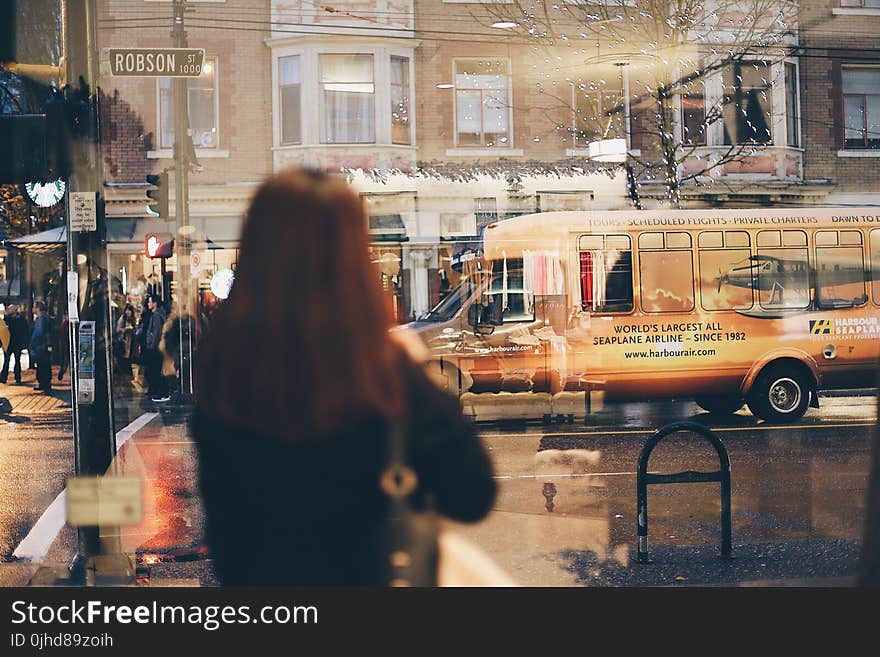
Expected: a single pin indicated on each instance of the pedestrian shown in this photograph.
(4, 337)
(19, 336)
(123, 342)
(299, 385)
(40, 349)
(64, 346)
(153, 357)
(154, 287)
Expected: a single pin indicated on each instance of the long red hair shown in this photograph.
(301, 344)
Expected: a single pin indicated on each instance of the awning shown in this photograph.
(464, 251)
(46, 242)
(128, 234)
(387, 228)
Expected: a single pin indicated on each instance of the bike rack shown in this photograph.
(687, 477)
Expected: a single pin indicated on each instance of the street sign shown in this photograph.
(156, 62)
(83, 212)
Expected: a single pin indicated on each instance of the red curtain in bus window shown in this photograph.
(586, 280)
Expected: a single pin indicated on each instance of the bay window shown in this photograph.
(347, 99)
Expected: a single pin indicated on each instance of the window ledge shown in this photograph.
(168, 153)
(297, 147)
(584, 152)
(855, 11)
(859, 153)
(471, 152)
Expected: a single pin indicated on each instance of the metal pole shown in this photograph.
(99, 556)
(181, 207)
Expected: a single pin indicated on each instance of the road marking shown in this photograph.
(39, 539)
(611, 432)
(41, 536)
(124, 434)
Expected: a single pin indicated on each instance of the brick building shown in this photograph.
(447, 119)
(229, 106)
(841, 86)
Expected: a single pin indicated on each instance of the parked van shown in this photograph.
(729, 307)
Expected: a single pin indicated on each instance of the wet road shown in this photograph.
(798, 494)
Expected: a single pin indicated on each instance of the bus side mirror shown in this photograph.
(496, 313)
(477, 319)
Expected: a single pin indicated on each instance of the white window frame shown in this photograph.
(778, 132)
(200, 150)
(509, 146)
(311, 92)
(409, 98)
(280, 113)
(800, 101)
(864, 151)
(322, 107)
(579, 146)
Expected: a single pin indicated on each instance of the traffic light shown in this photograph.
(157, 205)
(159, 246)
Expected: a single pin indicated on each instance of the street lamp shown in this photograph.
(614, 150)
(608, 150)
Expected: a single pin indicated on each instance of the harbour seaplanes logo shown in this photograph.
(853, 328)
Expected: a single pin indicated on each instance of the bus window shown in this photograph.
(606, 273)
(875, 265)
(666, 276)
(783, 273)
(725, 270)
(508, 288)
(840, 270)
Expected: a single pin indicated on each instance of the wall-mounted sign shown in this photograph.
(83, 212)
(46, 194)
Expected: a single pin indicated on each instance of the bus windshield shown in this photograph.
(448, 306)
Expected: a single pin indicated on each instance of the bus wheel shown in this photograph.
(780, 394)
(720, 404)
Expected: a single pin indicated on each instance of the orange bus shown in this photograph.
(730, 307)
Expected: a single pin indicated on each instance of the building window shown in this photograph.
(202, 100)
(482, 110)
(792, 111)
(347, 99)
(291, 83)
(748, 104)
(599, 111)
(400, 125)
(861, 107)
(693, 119)
(485, 211)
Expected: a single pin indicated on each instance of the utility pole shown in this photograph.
(182, 161)
(99, 558)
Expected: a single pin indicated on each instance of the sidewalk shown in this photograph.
(22, 399)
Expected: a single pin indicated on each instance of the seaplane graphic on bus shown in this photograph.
(729, 307)
(776, 275)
